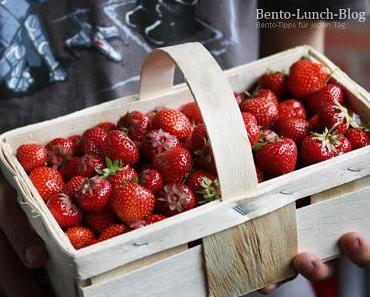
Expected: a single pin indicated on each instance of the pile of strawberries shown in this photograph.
(115, 178)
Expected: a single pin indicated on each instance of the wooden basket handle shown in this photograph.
(220, 112)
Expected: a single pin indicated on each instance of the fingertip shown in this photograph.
(356, 248)
(268, 289)
(35, 256)
(311, 267)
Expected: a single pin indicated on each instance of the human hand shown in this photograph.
(20, 248)
(353, 245)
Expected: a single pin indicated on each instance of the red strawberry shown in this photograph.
(118, 146)
(327, 95)
(306, 77)
(260, 175)
(278, 157)
(199, 137)
(74, 185)
(158, 141)
(204, 159)
(87, 165)
(99, 220)
(94, 194)
(294, 128)
(173, 122)
(320, 147)
(265, 137)
(175, 198)
(151, 179)
(251, 126)
(239, 97)
(204, 185)
(132, 202)
(112, 231)
(77, 146)
(106, 126)
(47, 181)
(265, 110)
(64, 211)
(59, 150)
(291, 109)
(268, 94)
(315, 124)
(116, 173)
(93, 140)
(173, 164)
(32, 156)
(135, 124)
(192, 111)
(69, 169)
(154, 218)
(335, 116)
(358, 137)
(276, 82)
(80, 237)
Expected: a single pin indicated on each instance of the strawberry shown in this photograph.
(47, 181)
(59, 150)
(264, 109)
(77, 147)
(336, 117)
(154, 218)
(64, 211)
(175, 198)
(118, 146)
(192, 112)
(204, 185)
(267, 94)
(260, 175)
(80, 237)
(112, 231)
(250, 123)
(306, 77)
(93, 141)
(106, 126)
(84, 166)
(116, 173)
(276, 82)
(199, 137)
(320, 147)
(74, 185)
(132, 202)
(31, 156)
(135, 124)
(94, 194)
(204, 159)
(173, 122)
(358, 137)
(158, 141)
(266, 136)
(99, 220)
(315, 124)
(329, 94)
(173, 164)
(278, 157)
(291, 109)
(152, 180)
(293, 128)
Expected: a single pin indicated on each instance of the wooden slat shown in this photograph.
(318, 232)
(252, 255)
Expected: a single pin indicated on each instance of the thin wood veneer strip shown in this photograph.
(252, 255)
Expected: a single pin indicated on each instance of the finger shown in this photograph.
(312, 268)
(16, 227)
(269, 289)
(15, 279)
(356, 248)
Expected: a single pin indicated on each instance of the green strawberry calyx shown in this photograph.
(210, 190)
(111, 169)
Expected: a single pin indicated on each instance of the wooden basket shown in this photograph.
(249, 238)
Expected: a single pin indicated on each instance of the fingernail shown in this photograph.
(34, 256)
